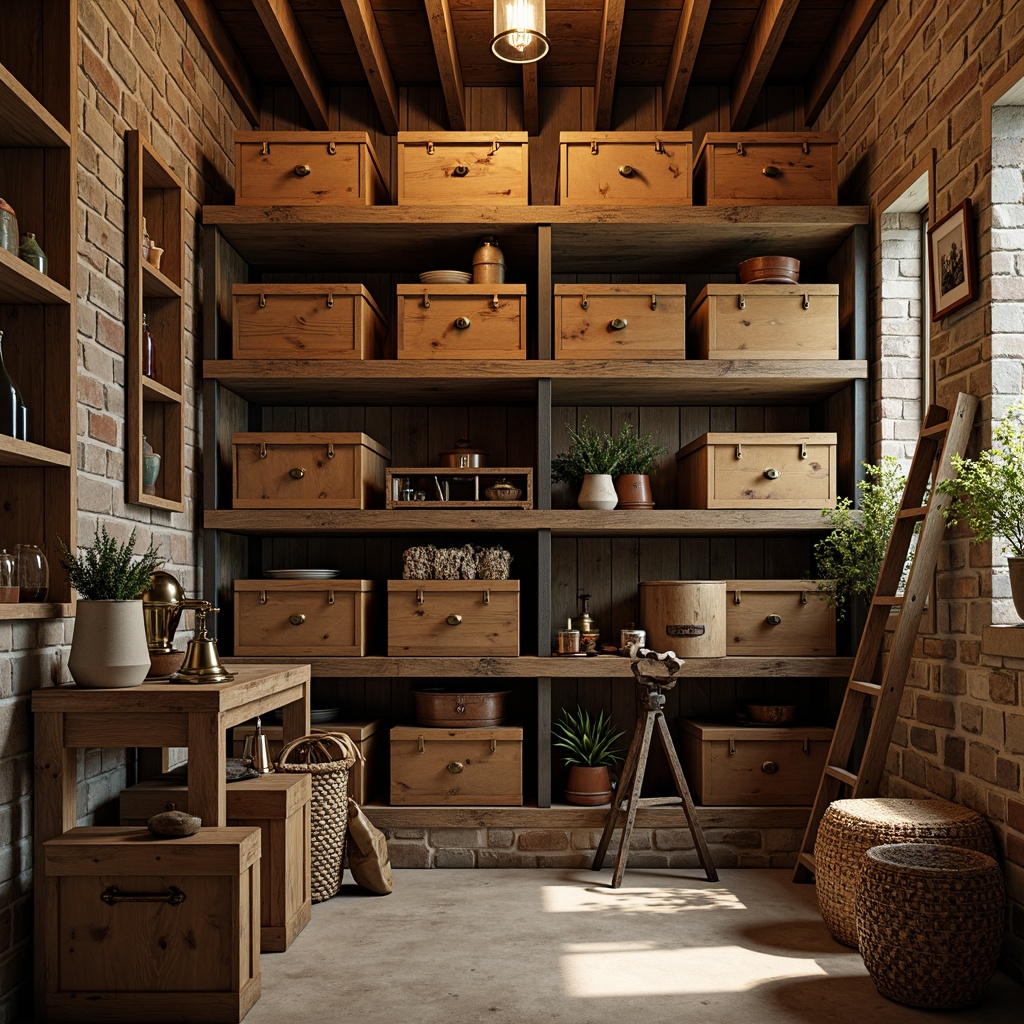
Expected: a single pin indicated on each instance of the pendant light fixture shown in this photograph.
(520, 31)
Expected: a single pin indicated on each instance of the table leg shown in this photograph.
(207, 763)
(295, 717)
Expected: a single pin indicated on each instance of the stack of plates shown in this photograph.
(317, 716)
(303, 574)
(445, 277)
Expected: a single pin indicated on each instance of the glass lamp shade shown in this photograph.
(520, 28)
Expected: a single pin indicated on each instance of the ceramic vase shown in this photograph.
(634, 491)
(588, 787)
(1016, 567)
(598, 491)
(109, 648)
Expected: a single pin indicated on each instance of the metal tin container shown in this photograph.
(463, 456)
(451, 709)
(488, 263)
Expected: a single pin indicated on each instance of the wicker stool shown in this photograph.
(850, 828)
(930, 923)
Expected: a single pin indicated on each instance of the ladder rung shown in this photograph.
(939, 430)
(862, 687)
(807, 859)
(891, 600)
(658, 801)
(840, 774)
(912, 513)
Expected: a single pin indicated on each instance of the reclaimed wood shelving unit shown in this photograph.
(519, 411)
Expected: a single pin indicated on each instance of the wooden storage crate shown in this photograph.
(271, 470)
(321, 618)
(107, 959)
(734, 470)
(765, 321)
(458, 618)
(279, 806)
(778, 618)
(625, 168)
(620, 321)
(735, 765)
(767, 168)
(461, 321)
(306, 321)
(456, 766)
(463, 168)
(459, 488)
(366, 778)
(307, 169)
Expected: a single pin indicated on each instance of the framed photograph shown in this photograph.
(953, 277)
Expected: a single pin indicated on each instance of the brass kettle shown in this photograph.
(202, 661)
(162, 606)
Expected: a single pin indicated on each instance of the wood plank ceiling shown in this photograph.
(386, 45)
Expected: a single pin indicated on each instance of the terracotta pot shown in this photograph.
(598, 491)
(1016, 567)
(588, 787)
(109, 648)
(634, 490)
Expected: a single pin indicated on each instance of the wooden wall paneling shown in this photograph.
(410, 440)
(706, 110)
(663, 423)
(636, 109)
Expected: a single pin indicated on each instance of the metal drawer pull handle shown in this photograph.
(732, 744)
(659, 146)
(773, 620)
(495, 146)
(297, 620)
(460, 171)
(263, 597)
(263, 300)
(426, 300)
(330, 449)
(419, 595)
(265, 149)
(330, 300)
(263, 449)
(593, 148)
(455, 767)
(495, 304)
(740, 151)
(626, 170)
(332, 148)
(494, 745)
(741, 302)
(737, 597)
(462, 322)
(618, 324)
(805, 146)
(419, 744)
(584, 303)
(773, 474)
(297, 473)
(769, 767)
(770, 171)
(803, 451)
(112, 895)
(460, 708)
(330, 597)
(654, 302)
(739, 451)
(430, 149)
(301, 170)
(807, 302)
(454, 620)
(487, 597)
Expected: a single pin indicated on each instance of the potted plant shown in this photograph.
(588, 746)
(849, 558)
(589, 462)
(637, 455)
(109, 648)
(988, 495)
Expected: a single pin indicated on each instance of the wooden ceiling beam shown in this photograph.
(684, 55)
(204, 20)
(857, 17)
(448, 67)
(762, 48)
(531, 99)
(292, 47)
(608, 63)
(363, 27)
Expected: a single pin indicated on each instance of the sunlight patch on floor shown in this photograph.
(566, 899)
(596, 970)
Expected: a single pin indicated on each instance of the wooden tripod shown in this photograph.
(650, 714)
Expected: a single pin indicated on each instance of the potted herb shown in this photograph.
(589, 462)
(109, 648)
(988, 495)
(637, 455)
(588, 746)
(849, 558)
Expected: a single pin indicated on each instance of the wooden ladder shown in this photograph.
(941, 437)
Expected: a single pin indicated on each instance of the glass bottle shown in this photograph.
(147, 349)
(33, 573)
(8, 578)
(9, 399)
(31, 252)
(145, 240)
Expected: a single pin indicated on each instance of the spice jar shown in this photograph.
(488, 263)
(8, 228)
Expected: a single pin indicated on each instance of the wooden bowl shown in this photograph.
(772, 714)
(164, 663)
(770, 270)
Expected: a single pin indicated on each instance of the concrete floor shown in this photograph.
(559, 945)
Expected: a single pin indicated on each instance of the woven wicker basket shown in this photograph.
(930, 923)
(326, 758)
(850, 828)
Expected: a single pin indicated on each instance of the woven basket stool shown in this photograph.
(930, 923)
(850, 828)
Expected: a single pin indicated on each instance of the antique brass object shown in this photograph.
(202, 661)
(162, 606)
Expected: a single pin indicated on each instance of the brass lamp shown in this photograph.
(202, 661)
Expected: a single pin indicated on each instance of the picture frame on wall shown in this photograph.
(953, 276)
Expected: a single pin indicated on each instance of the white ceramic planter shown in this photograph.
(109, 648)
(598, 491)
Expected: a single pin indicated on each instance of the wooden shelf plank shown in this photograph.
(45, 610)
(154, 501)
(156, 284)
(661, 239)
(562, 522)
(577, 381)
(154, 391)
(604, 666)
(24, 285)
(25, 453)
(24, 121)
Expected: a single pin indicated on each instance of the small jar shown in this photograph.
(8, 228)
(31, 253)
(488, 263)
(33, 574)
(408, 494)
(420, 496)
(568, 641)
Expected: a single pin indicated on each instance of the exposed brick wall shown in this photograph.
(140, 67)
(916, 86)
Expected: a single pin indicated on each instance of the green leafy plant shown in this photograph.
(590, 451)
(105, 570)
(849, 558)
(589, 742)
(988, 492)
(637, 452)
